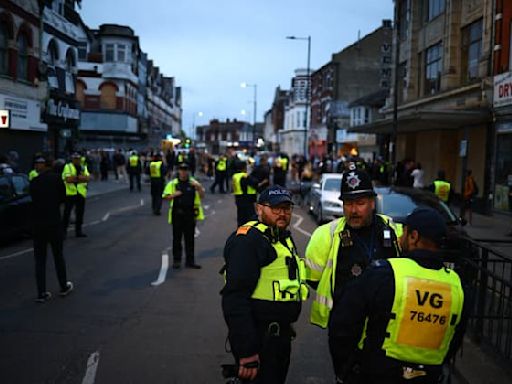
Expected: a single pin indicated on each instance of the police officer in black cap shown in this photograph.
(412, 309)
(265, 287)
(339, 251)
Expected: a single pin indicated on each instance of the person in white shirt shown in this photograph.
(417, 174)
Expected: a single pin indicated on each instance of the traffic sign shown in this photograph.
(4, 118)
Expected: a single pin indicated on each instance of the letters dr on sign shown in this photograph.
(426, 313)
(5, 118)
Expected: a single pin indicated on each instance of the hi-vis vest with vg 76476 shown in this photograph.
(284, 279)
(426, 309)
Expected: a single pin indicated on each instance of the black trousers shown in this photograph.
(53, 236)
(244, 212)
(183, 227)
(134, 177)
(219, 180)
(77, 201)
(274, 356)
(157, 187)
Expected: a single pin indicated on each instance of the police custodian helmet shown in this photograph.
(356, 183)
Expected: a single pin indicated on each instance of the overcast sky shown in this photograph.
(211, 46)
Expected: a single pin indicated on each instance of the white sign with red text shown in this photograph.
(503, 90)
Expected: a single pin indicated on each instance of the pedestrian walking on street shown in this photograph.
(341, 250)
(48, 192)
(76, 177)
(245, 194)
(120, 166)
(264, 290)
(135, 170)
(468, 195)
(407, 314)
(184, 194)
(157, 174)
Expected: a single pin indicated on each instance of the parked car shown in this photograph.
(324, 202)
(15, 205)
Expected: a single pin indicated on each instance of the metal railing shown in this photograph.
(487, 274)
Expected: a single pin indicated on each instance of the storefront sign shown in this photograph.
(25, 114)
(61, 110)
(503, 90)
(4, 118)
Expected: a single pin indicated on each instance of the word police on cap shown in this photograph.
(278, 192)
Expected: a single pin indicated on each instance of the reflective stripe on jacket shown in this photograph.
(170, 188)
(73, 189)
(427, 308)
(321, 259)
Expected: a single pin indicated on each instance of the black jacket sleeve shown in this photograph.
(244, 256)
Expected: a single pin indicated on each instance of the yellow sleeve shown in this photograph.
(317, 252)
(169, 189)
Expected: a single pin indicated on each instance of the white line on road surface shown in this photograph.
(197, 232)
(206, 207)
(92, 366)
(105, 218)
(213, 213)
(141, 202)
(19, 253)
(219, 201)
(300, 219)
(163, 270)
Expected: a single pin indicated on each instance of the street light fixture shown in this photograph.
(308, 92)
(255, 103)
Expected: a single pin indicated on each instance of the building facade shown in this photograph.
(219, 136)
(502, 104)
(22, 93)
(293, 136)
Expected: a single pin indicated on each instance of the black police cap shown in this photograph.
(356, 183)
(275, 195)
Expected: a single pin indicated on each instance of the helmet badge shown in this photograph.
(353, 180)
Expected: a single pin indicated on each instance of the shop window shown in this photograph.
(433, 67)
(109, 53)
(108, 96)
(471, 50)
(22, 62)
(4, 52)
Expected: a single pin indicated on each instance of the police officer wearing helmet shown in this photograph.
(408, 314)
(264, 290)
(339, 251)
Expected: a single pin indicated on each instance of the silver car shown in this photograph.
(324, 202)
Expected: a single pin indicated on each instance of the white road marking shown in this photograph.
(105, 218)
(213, 213)
(16, 254)
(163, 270)
(300, 219)
(197, 232)
(92, 366)
(141, 202)
(219, 201)
(206, 207)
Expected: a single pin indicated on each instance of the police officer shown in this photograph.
(157, 175)
(48, 192)
(184, 194)
(39, 166)
(180, 159)
(280, 168)
(220, 174)
(245, 194)
(75, 177)
(411, 310)
(339, 251)
(442, 188)
(265, 286)
(134, 170)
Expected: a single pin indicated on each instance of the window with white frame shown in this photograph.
(471, 50)
(433, 68)
(82, 51)
(70, 69)
(121, 53)
(22, 64)
(109, 53)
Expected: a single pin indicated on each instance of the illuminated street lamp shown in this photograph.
(255, 103)
(308, 92)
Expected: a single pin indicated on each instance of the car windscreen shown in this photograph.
(398, 206)
(332, 185)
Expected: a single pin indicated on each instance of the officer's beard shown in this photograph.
(280, 221)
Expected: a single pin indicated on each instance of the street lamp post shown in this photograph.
(255, 106)
(308, 92)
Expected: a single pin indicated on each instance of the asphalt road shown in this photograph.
(125, 323)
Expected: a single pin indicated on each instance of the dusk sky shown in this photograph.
(210, 47)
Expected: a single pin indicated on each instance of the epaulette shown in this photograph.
(243, 230)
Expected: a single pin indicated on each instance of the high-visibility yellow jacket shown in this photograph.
(321, 259)
(170, 188)
(72, 189)
(442, 190)
(237, 185)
